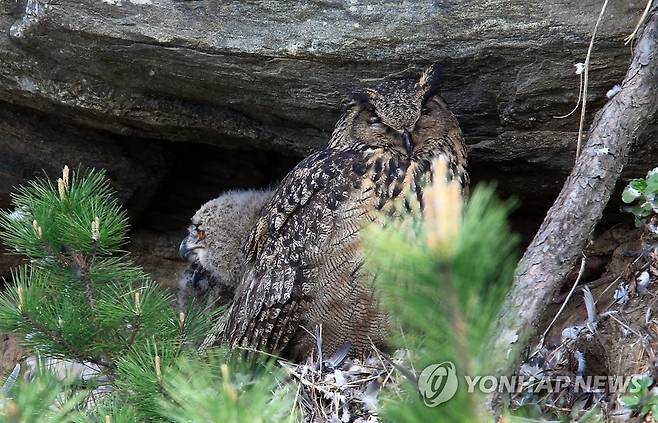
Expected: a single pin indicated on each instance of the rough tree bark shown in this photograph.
(580, 204)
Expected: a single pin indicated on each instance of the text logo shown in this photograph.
(437, 383)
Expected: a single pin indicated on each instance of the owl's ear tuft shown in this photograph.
(363, 96)
(356, 97)
(429, 81)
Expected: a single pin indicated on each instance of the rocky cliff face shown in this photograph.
(180, 100)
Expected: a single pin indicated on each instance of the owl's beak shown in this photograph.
(407, 142)
(187, 247)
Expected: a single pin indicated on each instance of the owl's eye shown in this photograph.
(200, 233)
(373, 120)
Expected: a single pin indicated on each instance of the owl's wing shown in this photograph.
(292, 227)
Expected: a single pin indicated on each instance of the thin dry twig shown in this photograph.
(580, 96)
(583, 109)
(624, 325)
(631, 37)
(564, 303)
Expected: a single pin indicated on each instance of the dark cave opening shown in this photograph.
(195, 173)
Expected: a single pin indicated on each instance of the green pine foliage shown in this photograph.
(218, 389)
(44, 399)
(113, 407)
(65, 214)
(445, 302)
(79, 297)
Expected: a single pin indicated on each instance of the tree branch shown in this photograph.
(70, 348)
(570, 221)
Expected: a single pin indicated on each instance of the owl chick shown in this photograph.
(213, 246)
(304, 265)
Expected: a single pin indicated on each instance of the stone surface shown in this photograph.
(138, 86)
(33, 144)
(157, 253)
(272, 74)
(11, 353)
(161, 184)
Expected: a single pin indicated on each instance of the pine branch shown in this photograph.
(444, 281)
(71, 350)
(79, 266)
(136, 326)
(106, 311)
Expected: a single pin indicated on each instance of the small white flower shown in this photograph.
(580, 68)
(621, 294)
(643, 282)
(613, 91)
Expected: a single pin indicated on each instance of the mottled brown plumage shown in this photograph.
(304, 264)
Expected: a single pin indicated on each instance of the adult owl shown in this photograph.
(304, 266)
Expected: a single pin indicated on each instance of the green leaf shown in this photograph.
(638, 184)
(646, 210)
(640, 211)
(630, 401)
(641, 384)
(630, 194)
(652, 182)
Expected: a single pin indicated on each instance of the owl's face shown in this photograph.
(195, 245)
(218, 230)
(404, 117)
